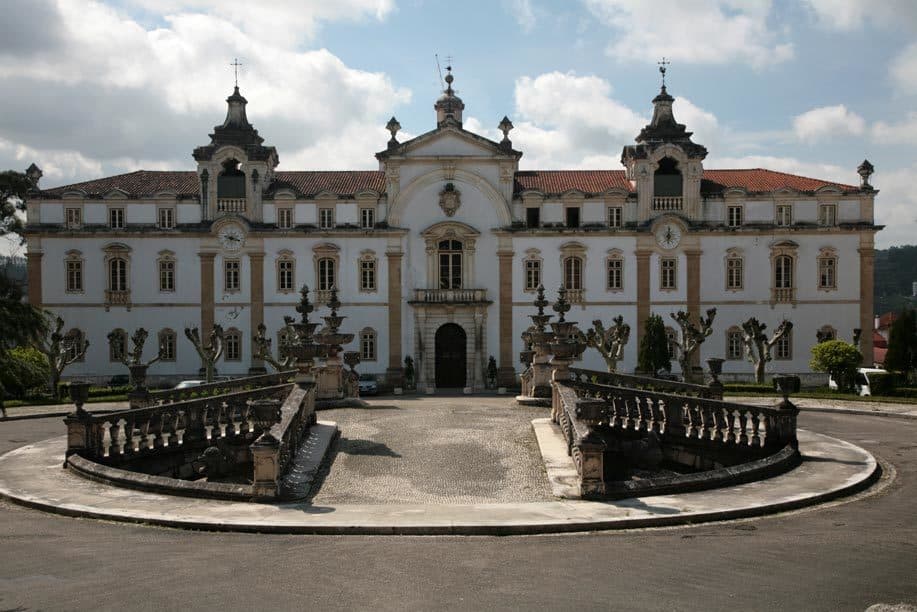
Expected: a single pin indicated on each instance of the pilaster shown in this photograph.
(506, 373)
(256, 266)
(207, 306)
(867, 281)
(395, 372)
(33, 268)
(692, 291)
(642, 256)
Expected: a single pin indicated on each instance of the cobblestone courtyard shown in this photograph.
(435, 450)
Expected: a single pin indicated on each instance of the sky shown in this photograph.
(810, 87)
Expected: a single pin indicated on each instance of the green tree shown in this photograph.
(902, 344)
(653, 354)
(23, 369)
(839, 359)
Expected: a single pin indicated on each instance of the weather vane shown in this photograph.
(235, 64)
(662, 66)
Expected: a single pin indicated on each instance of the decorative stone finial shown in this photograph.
(561, 306)
(34, 174)
(662, 69)
(304, 308)
(865, 170)
(393, 126)
(505, 126)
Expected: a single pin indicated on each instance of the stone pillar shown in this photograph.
(207, 310)
(643, 290)
(256, 264)
(394, 375)
(692, 292)
(867, 280)
(34, 271)
(506, 372)
(266, 471)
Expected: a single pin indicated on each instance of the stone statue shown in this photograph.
(692, 337)
(263, 350)
(409, 372)
(758, 347)
(61, 350)
(609, 342)
(209, 353)
(491, 372)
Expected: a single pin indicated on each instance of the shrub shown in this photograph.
(902, 343)
(22, 370)
(883, 384)
(839, 359)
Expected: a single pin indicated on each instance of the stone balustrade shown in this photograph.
(667, 203)
(648, 383)
(117, 298)
(784, 295)
(231, 205)
(168, 396)
(274, 452)
(576, 296)
(450, 296)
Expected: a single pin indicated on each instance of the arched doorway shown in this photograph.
(450, 356)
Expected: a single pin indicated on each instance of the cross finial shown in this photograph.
(662, 69)
(235, 64)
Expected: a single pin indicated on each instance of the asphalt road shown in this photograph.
(846, 556)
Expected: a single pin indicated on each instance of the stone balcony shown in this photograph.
(784, 295)
(667, 203)
(450, 296)
(117, 298)
(230, 205)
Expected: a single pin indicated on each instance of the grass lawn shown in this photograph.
(825, 393)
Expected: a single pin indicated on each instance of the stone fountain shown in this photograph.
(331, 376)
(567, 344)
(302, 345)
(537, 383)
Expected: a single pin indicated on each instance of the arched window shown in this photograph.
(614, 270)
(166, 265)
(735, 345)
(326, 274)
(671, 337)
(327, 260)
(667, 179)
(784, 347)
(450, 264)
(573, 273)
(74, 271)
(117, 345)
(231, 181)
(531, 270)
(367, 271)
(368, 344)
(73, 342)
(783, 265)
(233, 341)
(167, 344)
(286, 272)
(735, 270)
(827, 269)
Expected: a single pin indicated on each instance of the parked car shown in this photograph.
(861, 380)
(368, 385)
(185, 384)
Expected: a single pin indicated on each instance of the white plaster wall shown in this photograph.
(714, 211)
(346, 212)
(305, 213)
(95, 212)
(805, 211)
(552, 212)
(759, 211)
(848, 210)
(188, 213)
(594, 212)
(140, 213)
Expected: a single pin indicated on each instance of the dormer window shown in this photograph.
(116, 218)
(326, 218)
(231, 187)
(532, 218)
(572, 213)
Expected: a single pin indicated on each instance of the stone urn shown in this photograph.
(138, 376)
(352, 360)
(264, 413)
(79, 393)
(715, 364)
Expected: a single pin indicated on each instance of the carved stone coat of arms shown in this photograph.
(450, 199)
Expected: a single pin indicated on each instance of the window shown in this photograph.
(735, 344)
(367, 273)
(784, 216)
(231, 274)
(285, 274)
(827, 214)
(233, 339)
(573, 273)
(117, 345)
(74, 218)
(368, 345)
(74, 342)
(615, 216)
(326, 218)
(116, 218)
(167, 345)
(784, 347)
(166, 218)
(671, 338)
(734, 216)
(326, 274)
(117, 274)
(284, 218)
(668, 273)
(450, 264)
(367, 218)
(735, 268)
(615, 273)
(532, 274)
(532, 217)
(166, 271)
(572, 213)
(783, 264)
(74, 272)
(827, 269)
(783, 272)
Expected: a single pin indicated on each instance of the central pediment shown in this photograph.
(452, 141)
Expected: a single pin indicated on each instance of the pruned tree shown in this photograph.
(757, 345)
(209, 353)
(284, 360)
(692, 337)
(653, 355)
(134, 358)
(61, 350)
(609, 342)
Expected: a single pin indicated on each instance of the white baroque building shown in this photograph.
(437, 254)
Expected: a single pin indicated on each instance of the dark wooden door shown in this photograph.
(450, 356)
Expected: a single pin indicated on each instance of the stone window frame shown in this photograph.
(824, 218)
(734, 257)
(75, 337)
(671, 339)
(784, 343)
(227, 286)
(573, 250)
(115, 356)
(164, 336)
(362, 211)
(321, 252)
(321, 217)
(74, 257)
(828, 329)
(369, 339)
(734, 332)
(117, 211)
(615, 256)
(827, 256)
(663, 284)
(285, 217)
(450, 230)
(614, 215)
(117, 252)
(534, 264)
(284, 257)
(735, 215)
(169, 223)
(77, 212)
(166, 257)
(368, 262)
(784, 249)
(777, 214)
(233, 335)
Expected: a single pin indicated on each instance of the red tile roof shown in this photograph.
(350, 182)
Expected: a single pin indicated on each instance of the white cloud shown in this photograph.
(903, 70)
(896, 206)
(903, 132)
(853, 14)
(692, 31)
(57, 165)
(523, 12)
(826, 122)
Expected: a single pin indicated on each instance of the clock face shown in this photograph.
(231, 238)
(668, 235)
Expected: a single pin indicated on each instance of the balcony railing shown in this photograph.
(576, 296)
(117, 298)
(450, 296)
(784, 295)
(231, 205)
(667, 203)
(322, 296)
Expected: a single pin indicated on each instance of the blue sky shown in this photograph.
(809, 87)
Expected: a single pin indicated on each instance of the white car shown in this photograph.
(185, 384)
(861, 380)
